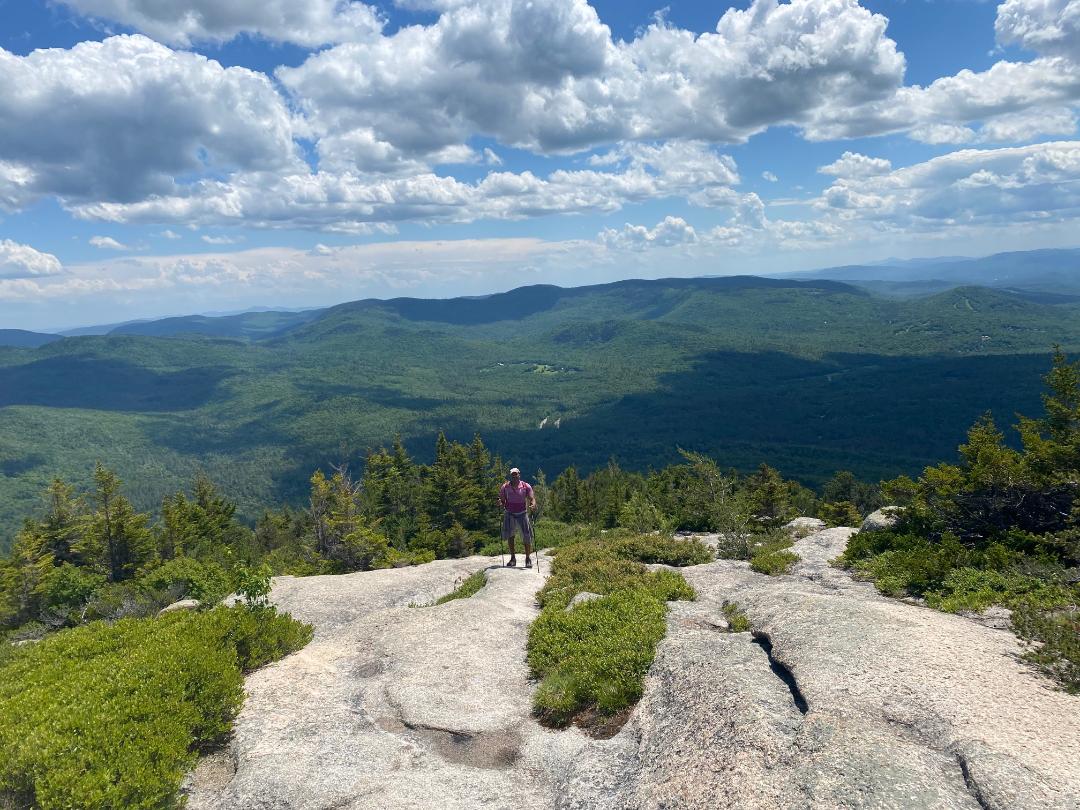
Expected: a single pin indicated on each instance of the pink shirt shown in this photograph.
(514, 498)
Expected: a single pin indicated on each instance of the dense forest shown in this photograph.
(88, 573)
(813, 376)
(92, 555)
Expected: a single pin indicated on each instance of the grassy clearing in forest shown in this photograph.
(591, 659)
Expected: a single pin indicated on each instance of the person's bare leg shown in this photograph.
(513, 557)
(527, 539)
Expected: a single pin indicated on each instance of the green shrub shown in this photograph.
(773, 561)
(596, 654)
(594, 657)
(976, 589)
(187, 578)
(841, 513)
(738, 621)
(467, 587)
(1054, 637)
(120, 600)
(548, 533)
(597, 567)
(902, 564)
(663, 549)
(261, 635)
(639, 514)
(253, 585)
(770, 553)
(112, 715)
(71, 589)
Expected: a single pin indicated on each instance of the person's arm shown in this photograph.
(502, 496)
(532, 498)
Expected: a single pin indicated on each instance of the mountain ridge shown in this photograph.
(810, 375)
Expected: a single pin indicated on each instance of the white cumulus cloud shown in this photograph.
(121, 119)
(546, 75)
(672, 231)
(852, 164)
(22, 261)
(987, 187)
(305, 22)
(1045, 26)
(361, 204)
(107, 243)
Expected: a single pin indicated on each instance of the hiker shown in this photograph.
(517, 499)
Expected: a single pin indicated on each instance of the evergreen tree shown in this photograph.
(26, 576)
(566, 496)
(845, 487)
(204, 527)
(116, 539)
(455, 491)
(770, 497)
(63, 521)
(342, 534)
(1052, 443)
(390, 493)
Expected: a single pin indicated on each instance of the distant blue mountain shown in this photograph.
(21, 339)
(1051, 271)
(254, 325)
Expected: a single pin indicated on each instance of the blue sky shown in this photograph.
(212, 155)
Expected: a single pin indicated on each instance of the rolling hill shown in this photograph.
(20, 338)
(810, 375)
(1054, 271)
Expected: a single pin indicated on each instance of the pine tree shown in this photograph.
(770, 497)
(63, 521)
(116, 539)
(26, 576)
(566, 496)
(1052, 443)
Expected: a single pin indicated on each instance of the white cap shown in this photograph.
(515, 470)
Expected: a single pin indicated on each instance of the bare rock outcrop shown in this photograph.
(839, 698)
(884, 518)
(803, 526)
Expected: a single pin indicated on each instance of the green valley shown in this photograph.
(811, 376)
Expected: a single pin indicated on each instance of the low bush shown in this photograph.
(261, 635)
(1054, 637)
(467, 587)
(977, 589)
(773, 561)
(840, 513)
(595, 655)
(662, 549)
(597, 567)
(187, 578)
(112, 715)
(738, 621)
(71, 590)
(770, 553)
(593, 658)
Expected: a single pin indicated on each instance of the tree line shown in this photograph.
(92, 555)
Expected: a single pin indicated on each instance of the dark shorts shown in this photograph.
(520, 521)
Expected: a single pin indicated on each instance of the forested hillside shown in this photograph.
(811, 376)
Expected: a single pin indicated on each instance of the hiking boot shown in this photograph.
(528, 562)
(512, 563)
